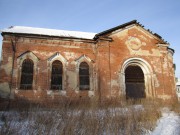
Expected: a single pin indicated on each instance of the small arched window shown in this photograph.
(27, 74)
(56, 76)
(84, 76)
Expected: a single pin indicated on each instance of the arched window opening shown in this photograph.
(56, 76)
(84, 76)
(134, 79)
(27, 74)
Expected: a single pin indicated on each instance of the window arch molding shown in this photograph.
(20, 60)
(57, 57)
(84, 58)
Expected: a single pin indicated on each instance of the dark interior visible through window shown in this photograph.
(84, 76)
(56, 76)
(27, 74)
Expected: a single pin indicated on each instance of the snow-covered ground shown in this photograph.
(168, 124)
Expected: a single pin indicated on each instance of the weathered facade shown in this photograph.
(125, 61)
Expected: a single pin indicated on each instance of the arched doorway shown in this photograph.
(143, 68)
(134, 80)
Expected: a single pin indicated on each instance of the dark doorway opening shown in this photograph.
(134, 79)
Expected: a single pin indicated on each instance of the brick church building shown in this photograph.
(125, 61)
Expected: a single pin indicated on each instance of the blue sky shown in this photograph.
(160, 16)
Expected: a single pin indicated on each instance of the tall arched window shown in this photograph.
(56, 76)
(27, 74)
(84, 76)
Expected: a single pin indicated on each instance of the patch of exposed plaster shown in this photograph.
(7, 67)
(165, 65)
(170, 57)
(143, 37)
(60, 92)
(70, 55)
(72, 79)
(114, 83)
(156, 63)
(43, 53)
(44, 71)
(39, 88)
(165, 97)
(156, 81)
(76, 91)
(133, 43)
(90, 93)
(121, 34)
(15, 73)
(4, 89)
(141, 52)
(144, 31)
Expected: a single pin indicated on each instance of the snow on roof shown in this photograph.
(49, 32)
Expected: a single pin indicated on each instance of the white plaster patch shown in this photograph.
(76, 91)
(141, 52)
(144, 43)
(70, 55)
(7, 67)
(57, 92)
(16, 91)
(121, 33)
(156, 52)
(43, 53)
(157, 67)
(143, 37)
(133, 43)
(156, 82)
(62, 92)
(15, 73)
(170, 57)
(165, 97)
(72, 79)
(35, 91)
(114, 83)
(39, 88)
(4, 89)
(165, 65)
(90, 93)
(49, 92)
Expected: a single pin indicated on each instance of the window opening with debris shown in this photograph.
(84, 76)
(27, 74)
(56, 76)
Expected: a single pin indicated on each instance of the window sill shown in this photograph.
(90, 92)
(56, 92)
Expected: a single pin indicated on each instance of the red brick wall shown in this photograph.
(106, 60)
